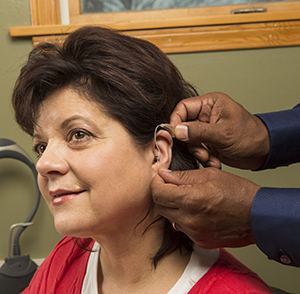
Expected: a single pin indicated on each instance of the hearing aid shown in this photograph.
(170, 129)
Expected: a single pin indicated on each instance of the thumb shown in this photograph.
(197, 132)
(185, 177)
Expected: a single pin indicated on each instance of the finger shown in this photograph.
(197, 132)
(204, 156)
(200, 152)
(213, 162)
(187, 109)
(199, 107)
(166, 194)
(207, 108)
(184, 179)
(176, 191)
(172, 214)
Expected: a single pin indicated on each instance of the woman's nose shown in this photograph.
(52, 161)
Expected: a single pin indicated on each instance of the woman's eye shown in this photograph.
(39, 149)
(79, 135)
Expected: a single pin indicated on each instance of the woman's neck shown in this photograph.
(126, 264)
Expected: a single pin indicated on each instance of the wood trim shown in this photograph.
(74, 8)
(45, 12)
(180, 23)
(213, 38)
(185, 30)
(185, 17)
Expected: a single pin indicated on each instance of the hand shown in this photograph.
(218, 129)
(209, 205)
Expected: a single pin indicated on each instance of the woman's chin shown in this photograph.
(70, 230)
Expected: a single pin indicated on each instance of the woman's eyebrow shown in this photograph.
(66, 122)
(36, 136)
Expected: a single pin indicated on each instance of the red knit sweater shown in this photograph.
(64, 269)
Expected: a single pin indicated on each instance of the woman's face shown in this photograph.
(94, 179)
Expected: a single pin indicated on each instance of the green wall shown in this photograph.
(262, 80)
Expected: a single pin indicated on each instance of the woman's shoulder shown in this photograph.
(62, 270)
(228, 275)
(66, 254)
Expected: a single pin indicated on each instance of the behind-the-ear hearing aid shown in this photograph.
(17, 271)
(169, 129)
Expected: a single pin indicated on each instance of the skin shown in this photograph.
(230, 133)
(212, 206)
(96, 183)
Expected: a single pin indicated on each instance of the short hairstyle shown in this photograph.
(131, 79)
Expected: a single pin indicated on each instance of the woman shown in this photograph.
(92, 106)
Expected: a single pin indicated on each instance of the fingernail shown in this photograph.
(165, 170)
(181, 132)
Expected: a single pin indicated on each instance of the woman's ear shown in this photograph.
(162, 149)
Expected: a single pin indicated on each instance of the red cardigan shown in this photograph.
(64, 269)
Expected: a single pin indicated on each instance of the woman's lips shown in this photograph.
(62, 196)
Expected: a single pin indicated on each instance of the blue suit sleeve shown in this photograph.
(275, 213)
(284, 132)
(275, 221)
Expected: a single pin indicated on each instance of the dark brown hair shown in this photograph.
(131, 79)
